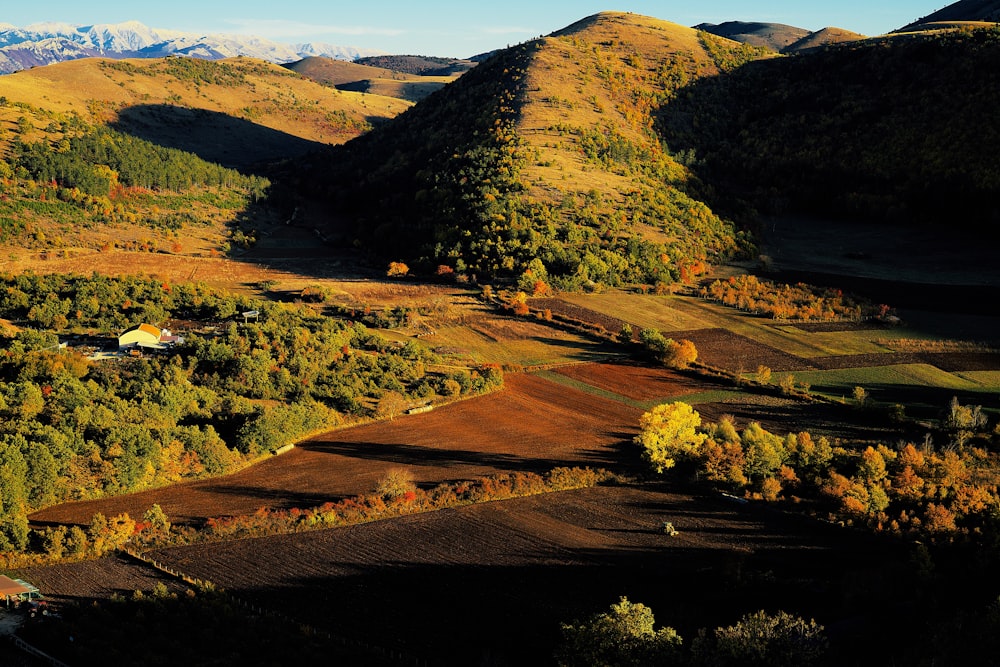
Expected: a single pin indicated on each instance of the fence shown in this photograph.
(41, 655)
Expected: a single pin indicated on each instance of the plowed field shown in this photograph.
(532, 425)
(494, 580)
(634, 380)
(96, 579)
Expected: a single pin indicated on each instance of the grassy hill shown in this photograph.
(184, 115)
(543, 160)
(895, 130)
(367, 79)
(166, 100)
(771, 36)
(419, 65)
(821, 38)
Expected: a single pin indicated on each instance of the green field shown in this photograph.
(684, 313)
(923, 389)
(547, 346)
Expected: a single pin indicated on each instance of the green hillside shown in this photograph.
(544, 158)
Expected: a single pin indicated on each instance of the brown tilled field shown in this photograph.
(490, 583)
(532, 424)
(634, 380)
(97, 579)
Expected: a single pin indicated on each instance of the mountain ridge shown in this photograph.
(47, 43)
(962, 11)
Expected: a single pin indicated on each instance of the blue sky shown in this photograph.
(457, 29)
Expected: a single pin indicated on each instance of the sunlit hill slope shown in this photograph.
(544, 159)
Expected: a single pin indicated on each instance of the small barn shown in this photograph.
(12, 591)
(141, 335)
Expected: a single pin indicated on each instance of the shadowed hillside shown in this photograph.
(895, 130)
(211, 135)
(965, 10)
(542, 164)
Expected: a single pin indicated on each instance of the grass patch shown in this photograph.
(788, 338)
(649, 312)
(988, 380)
(918, 375)
(539, 346)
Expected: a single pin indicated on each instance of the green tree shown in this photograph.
(13, 497)
(669, 432)
(764, 451)
(623, 636)
(771, 640)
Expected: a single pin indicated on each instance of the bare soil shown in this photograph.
(456, 586)
(634, 380)
(96, 579)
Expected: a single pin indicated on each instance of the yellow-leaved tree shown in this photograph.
(670, 432)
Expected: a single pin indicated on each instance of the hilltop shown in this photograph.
(965, 11)
(362, 78)
(542, 163)
(778, 36)
(772, 36)
(419, 65)
(821, 38)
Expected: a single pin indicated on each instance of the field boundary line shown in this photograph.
(255, 608)
(38, 653)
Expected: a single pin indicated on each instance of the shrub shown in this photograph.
(395, 484)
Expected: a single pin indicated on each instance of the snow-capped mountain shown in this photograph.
(47, 43)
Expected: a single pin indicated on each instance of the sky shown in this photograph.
(448, 28)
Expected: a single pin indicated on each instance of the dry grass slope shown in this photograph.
(569, 86)
(254, 91)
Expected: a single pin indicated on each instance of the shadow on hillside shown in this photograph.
(211, 135)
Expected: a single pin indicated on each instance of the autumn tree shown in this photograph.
(157, 519)
(397, 270)
(669, 432)
(396, 483)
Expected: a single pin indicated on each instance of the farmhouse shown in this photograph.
(147, 336)
(12, 591)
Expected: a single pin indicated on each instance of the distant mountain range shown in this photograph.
(47, 43)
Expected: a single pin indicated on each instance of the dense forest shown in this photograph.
(896, 129)
(74, 428)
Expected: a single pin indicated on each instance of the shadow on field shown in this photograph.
(417, 456)
(441, 591)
